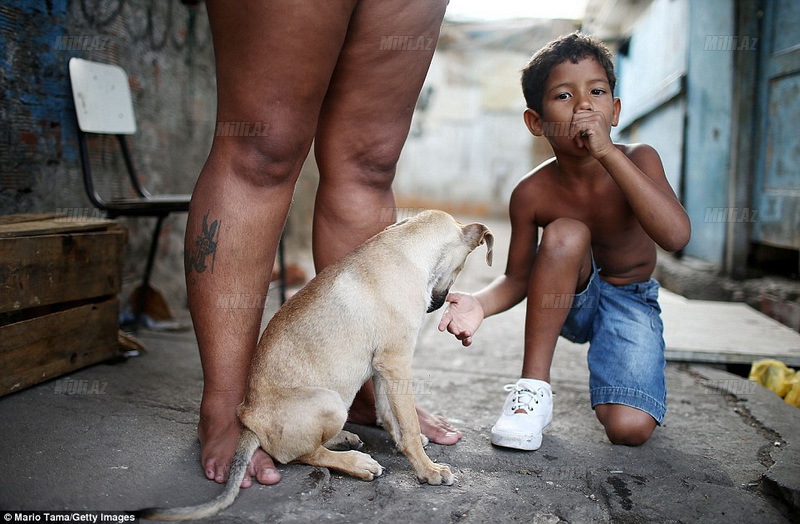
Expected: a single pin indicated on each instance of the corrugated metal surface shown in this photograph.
(777, 189)
(709, 94)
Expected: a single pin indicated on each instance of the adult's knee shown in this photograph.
(565, 237)
(267, 160)
(377, 163)
(366, 160)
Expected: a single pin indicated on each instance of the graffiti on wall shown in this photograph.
(164, 46)
(154, 25)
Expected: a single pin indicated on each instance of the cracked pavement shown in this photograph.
(125, 439)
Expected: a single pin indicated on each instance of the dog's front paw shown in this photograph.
(363, 466)
(437, 474)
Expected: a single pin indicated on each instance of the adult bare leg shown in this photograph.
(273, 63)
(363, 125)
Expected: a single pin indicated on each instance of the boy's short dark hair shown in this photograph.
(573, 47)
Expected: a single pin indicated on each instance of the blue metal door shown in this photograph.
(776, 194)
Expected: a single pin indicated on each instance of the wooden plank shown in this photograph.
(24, 217)
(55, 225)
(724, 333)
(50, 269)
(42, 348)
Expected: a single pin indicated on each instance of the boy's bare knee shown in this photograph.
(629, 435)
(625, 425)
(566, 236)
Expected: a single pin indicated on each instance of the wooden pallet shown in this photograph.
(712, 332)
(59, 310)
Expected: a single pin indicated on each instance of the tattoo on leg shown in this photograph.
(205, 245)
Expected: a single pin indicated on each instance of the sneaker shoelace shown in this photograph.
(523, 399)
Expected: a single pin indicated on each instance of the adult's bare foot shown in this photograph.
(436, 428)
(218, 433)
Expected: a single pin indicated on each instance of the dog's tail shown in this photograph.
(247, 445)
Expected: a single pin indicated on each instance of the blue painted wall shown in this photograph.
(33, 101)
(650, 85)
(709, 97)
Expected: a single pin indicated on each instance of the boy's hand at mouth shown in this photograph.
(590, 130)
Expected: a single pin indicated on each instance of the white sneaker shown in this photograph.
(528, 410)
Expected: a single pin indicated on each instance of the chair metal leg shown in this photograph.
(140, 301)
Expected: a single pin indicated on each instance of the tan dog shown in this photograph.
(359, 318)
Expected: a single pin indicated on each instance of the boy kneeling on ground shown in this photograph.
(603, 208)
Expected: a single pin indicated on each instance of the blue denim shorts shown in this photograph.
(626, 345)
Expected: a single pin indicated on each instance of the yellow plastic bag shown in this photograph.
(793, 396)
(774, 375)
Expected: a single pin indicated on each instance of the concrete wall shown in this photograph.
(467, 148)
(166, 49)
(469, 145)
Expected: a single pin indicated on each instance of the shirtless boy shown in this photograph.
(603, 208)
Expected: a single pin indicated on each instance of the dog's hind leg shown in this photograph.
(344, 441)
(294, 422)
(353, 463)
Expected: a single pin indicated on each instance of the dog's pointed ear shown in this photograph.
(400, 223)
(477, 234)
(488, 237)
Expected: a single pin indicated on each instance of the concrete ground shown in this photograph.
(121, 436)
